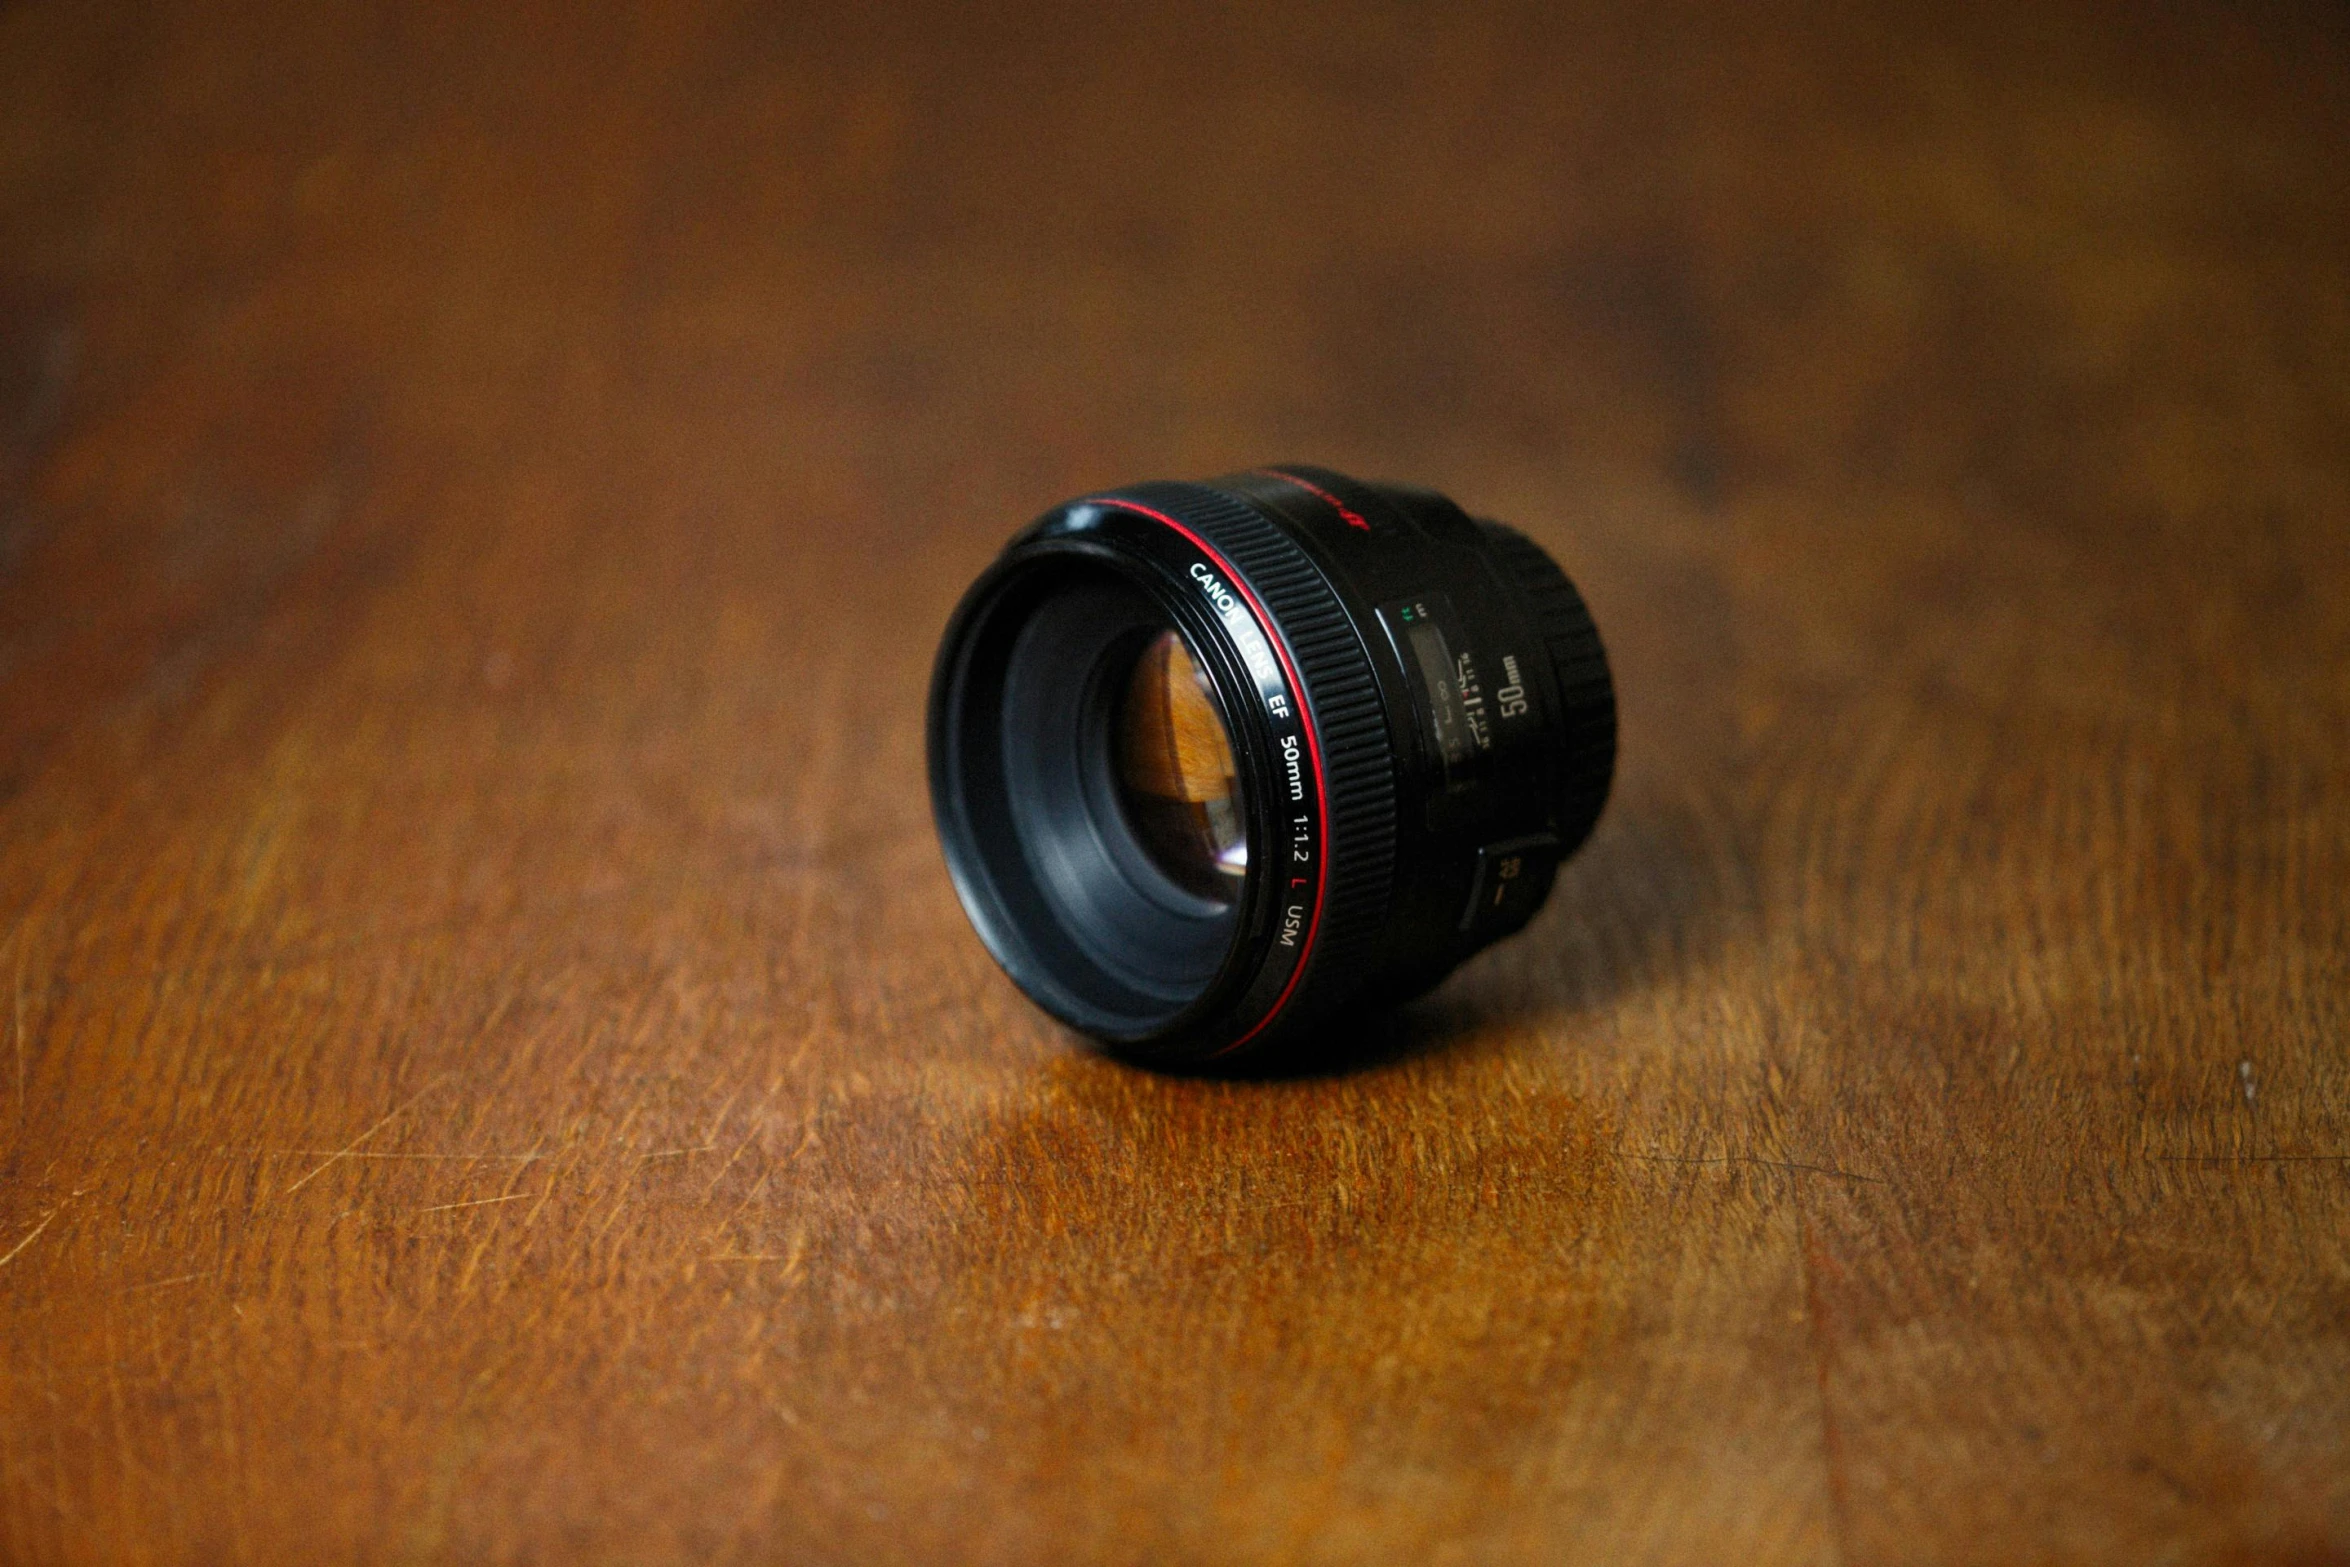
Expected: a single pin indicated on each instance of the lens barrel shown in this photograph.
(1210, 762)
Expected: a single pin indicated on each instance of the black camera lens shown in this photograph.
(1212, 762)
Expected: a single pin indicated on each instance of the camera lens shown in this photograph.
(1213, 762)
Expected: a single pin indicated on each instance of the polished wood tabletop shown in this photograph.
(494, 1066)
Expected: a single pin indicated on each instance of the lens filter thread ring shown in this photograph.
(1300, 613)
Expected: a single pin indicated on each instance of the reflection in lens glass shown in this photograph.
(1175, 773)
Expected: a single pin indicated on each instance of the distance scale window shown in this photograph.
(1460, 716)
(1460, 711)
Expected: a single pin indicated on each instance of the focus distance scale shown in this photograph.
(1212, 762)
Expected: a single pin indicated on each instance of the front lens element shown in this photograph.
(1175, 773)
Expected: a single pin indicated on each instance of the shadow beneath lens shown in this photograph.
(1646, 902)
(1358, 1039)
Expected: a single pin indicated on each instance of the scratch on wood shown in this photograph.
(157, 1284)
(346, 1152)
(2250, 1158)
(46, 1220)
(478, 1202)
(739, 1149)
(710, 1137)
(791, 1258)
(1769, 1164)
(315, 1153)
(481, 1247)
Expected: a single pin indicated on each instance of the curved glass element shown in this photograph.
(1176, 774)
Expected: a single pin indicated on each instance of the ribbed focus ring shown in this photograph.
(1587, 695)
(1341, 693)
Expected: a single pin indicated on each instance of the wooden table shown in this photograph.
(495, 1070)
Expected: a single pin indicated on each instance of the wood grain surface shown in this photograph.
(494, 1069)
